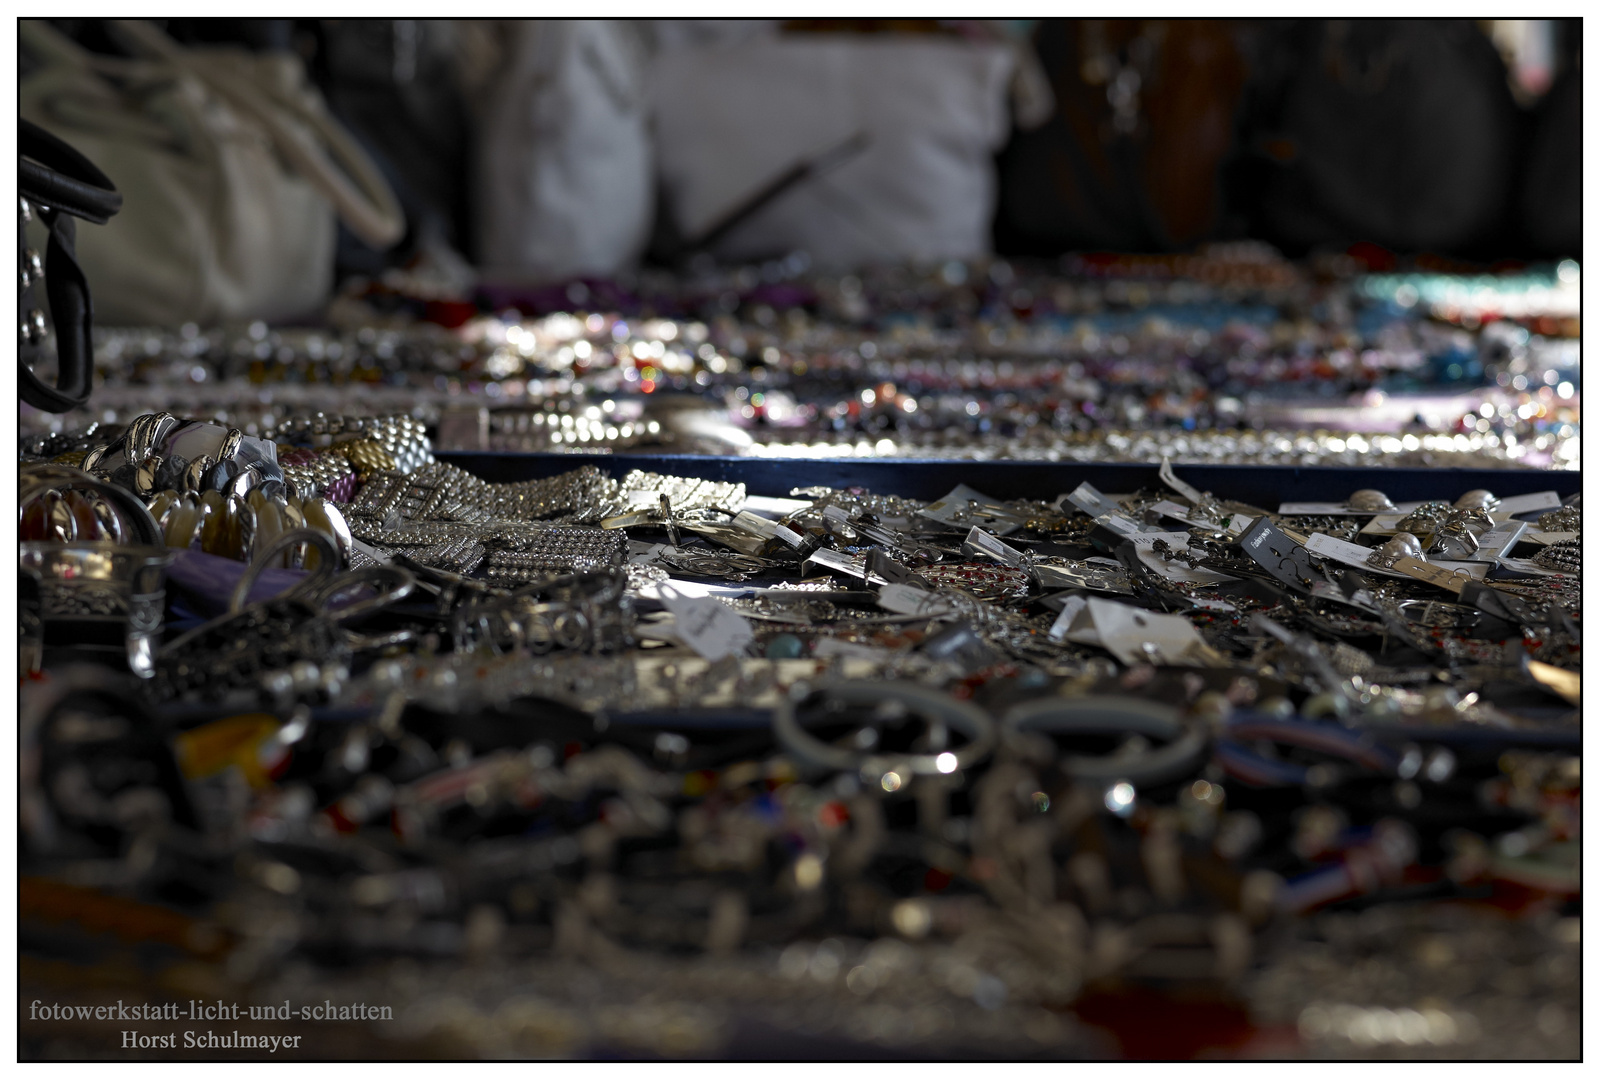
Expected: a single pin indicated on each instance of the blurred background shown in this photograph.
(1268, 226)
(555, 149)
(1277, 242)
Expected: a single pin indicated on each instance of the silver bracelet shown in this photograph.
(934, 704)
(1185, 742)
(1563, 555)
(1566, 519)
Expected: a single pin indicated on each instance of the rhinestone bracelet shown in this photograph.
(1563, 555)
(1566, 519)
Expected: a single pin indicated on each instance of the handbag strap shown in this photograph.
(54, 174)
(330, 159)
(63, 184)
(69, 306)
(72, 312)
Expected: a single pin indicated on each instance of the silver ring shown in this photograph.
(1454, 541)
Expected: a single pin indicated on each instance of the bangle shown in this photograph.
(967, 719)
(285, 540)
(1185, 742)
(400, 581)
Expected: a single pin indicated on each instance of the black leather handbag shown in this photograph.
(59, 184)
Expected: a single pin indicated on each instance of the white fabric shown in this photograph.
(729, 119)
(565, 186)
(230, 170)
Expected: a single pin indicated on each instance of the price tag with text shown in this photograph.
(1493, 544)
(708, 626)
(1538, 501)
(1091, 501)
(837, 560)
(908, 600)
(788, 535)
(1234, 524)
(1135, 635)
(965, 506)
(756, 524)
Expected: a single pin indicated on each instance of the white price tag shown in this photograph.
(767, 504)
(381, 557)
(708, 626)
(973, 507)
(1317, 508)
(1388, 524)
(642, 554)
(1082, 629)
(1106, 511)
(1122, 526)
(994, 546)
(1493, 544)
(788, 535)
(1527, 504)
(1343, 551)
(1171, 569)
(1355, 555)
(1237, 523)
(1173, 510)
(1169, 478)
(1450, 577)
(653, 591)
(1546, 538)
(1134, 635)
(1362, 599)
(1087, 497)
(845, 564)
(909, 600)
(1382, 525)
(755, 524)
